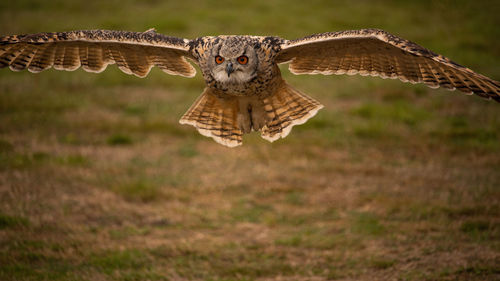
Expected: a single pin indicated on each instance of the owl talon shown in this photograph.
(244, 123)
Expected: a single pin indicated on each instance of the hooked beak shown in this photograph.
(229, 69)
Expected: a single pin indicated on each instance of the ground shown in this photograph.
(390, 181)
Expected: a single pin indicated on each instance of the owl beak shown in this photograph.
(229, 69)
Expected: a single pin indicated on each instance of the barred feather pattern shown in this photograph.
(286, 108)
(93, 50)
(216, 118)
(377, 53)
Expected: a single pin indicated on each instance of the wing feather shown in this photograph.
(377, 53)
(9, 56)
(134, 52)
(60, 50)
(43, 58)
(71, 59)
(23, 58)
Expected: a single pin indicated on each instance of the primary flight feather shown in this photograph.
(244, 88)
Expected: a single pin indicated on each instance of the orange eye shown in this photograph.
(219, 59)
(243, 60)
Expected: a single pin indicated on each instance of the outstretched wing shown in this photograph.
(378, 53)
(134, 52)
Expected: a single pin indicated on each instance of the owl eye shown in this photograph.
(243, 60)
(219, 59)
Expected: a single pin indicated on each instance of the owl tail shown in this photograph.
(226, 120)
(215, 118)
(286, 108)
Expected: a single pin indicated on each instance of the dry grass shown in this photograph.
(389, 182)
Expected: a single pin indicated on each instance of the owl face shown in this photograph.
(233, 62)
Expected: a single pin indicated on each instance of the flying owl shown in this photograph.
(244, 88)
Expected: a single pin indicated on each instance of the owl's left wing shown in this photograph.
(377, 53)
(134, 52)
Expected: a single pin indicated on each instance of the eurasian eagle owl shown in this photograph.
(244, 88)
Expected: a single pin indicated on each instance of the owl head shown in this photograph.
(233, 60)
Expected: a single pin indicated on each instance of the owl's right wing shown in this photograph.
(377, 53)
(134, 52)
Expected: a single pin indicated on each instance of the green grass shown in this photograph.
(110, 261)
(99, 181)
(397, 112)
(119, 139)
(366, 224)
(381, 263)
(7, 221)
(138, 190)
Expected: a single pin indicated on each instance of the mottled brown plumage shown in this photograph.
(378, 53)
(244, 88)
(134, 52)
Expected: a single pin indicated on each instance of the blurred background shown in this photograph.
(390, 181)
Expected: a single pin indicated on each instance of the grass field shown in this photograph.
(390, 181)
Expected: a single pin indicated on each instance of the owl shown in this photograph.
(244, 88)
